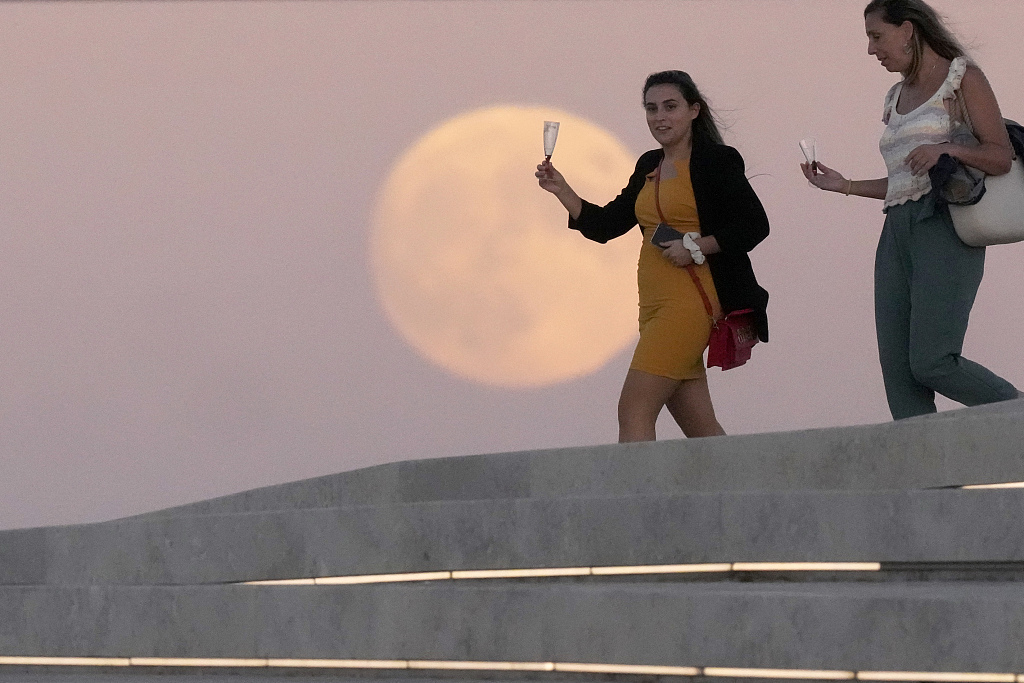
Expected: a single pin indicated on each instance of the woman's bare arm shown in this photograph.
(872, 189)
(994, 154)
(826, 178)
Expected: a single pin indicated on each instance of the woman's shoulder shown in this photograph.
(723, 150)
(649, 160)
(958, 70)
(973, 77)
(718, 154)
(890, 101)
(893, 91)
(645, 166)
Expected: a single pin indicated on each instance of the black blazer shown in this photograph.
(727, 208)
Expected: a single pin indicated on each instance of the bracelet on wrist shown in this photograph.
(693, 247)
(849, 187)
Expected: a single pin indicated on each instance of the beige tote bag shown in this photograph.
(999, 217)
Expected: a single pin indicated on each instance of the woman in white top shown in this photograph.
(926, 279)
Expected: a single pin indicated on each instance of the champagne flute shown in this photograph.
(807, 146)
(550, 136)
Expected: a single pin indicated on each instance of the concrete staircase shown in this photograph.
(928, 580)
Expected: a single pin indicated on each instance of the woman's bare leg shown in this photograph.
(692, 409)
(642, 398)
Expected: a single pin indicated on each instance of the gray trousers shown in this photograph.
(925, 283)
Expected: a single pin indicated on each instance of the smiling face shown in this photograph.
(669, 116)
(888, 43)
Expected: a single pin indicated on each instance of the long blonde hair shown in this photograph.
(929, 29)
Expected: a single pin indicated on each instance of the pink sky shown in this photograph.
(185, 194)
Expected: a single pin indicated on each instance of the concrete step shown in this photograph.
(162, 585)
(969, 446)
(948, 525)
(854, 627)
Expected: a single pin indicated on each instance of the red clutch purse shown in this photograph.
(732, 338)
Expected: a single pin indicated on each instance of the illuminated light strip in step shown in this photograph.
(545, 572)
(937, 676)
(636, 669)
(480, 666)
(65, 661)
(806, 566)
(780, 673)
(520, 573)
(382, 578)
(338, 663)
(662, 569)
(200, 662)
(1004, 485)
(569, 667)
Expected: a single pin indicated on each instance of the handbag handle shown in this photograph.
(965, 115)
(690, 268)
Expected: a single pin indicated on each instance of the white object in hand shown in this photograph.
(694, 249)
(550, 136)
(807, 147)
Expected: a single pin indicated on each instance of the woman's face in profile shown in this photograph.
(887, 43)
(669, 116)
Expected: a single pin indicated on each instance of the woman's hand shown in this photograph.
(550, 179)
(826, 178)
(676, 253)
(923, 158)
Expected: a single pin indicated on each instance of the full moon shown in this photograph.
(474, 263)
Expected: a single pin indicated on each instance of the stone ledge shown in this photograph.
(968, 446)
(933, 627)
(793, 526)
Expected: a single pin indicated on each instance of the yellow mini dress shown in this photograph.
(674, 324)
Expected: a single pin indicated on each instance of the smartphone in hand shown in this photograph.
(665, 233)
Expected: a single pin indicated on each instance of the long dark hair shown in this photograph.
(929, 29)
(704, 126)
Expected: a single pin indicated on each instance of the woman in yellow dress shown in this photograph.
(695, 184)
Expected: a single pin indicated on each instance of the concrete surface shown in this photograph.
(157, 584)
(926, 627)
(788, 526)
(969, 446)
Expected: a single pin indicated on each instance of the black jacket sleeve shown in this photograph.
(731, 212)
(742, 223)
(617, 217)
